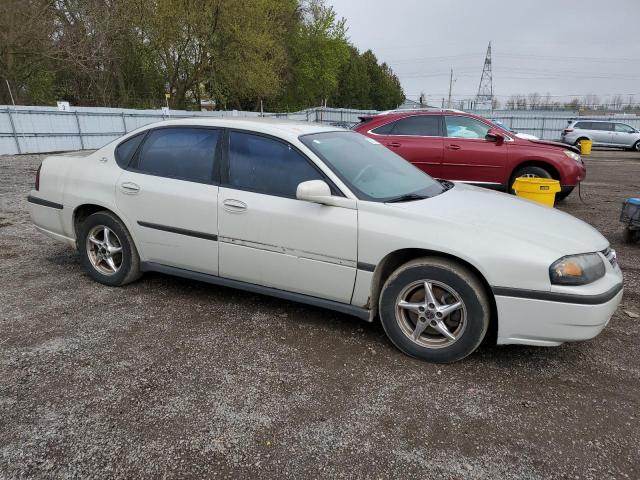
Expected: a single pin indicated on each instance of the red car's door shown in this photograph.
(418, 139)
(468, 156)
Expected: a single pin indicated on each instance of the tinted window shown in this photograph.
(602, 126)
(126, 149)
(465, 127)
(184, 153)
(384, 129)
(621, 127)
(583, 125)
(420, 125)
(264, 165)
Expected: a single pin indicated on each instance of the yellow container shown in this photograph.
(541, 190)
(585, 147)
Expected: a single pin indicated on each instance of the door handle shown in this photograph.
(234, 206)
(394, 144)
(129, 188)
(453, 147)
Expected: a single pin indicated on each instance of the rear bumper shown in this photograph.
(533, 321)
(48, 218)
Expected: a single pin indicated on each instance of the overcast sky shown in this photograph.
(560, 47)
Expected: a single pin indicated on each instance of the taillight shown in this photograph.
(567, 130)
(38, 178)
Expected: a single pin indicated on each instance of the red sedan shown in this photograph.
(458, 146)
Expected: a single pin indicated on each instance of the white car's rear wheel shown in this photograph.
(107, 250)
(434, 309)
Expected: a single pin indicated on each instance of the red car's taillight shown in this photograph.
(38, 178)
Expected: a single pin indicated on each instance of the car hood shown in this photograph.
(503, 215)
(549, 143)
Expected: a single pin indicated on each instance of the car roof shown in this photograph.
(286, 129)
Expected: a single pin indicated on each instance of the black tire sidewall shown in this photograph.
(477, 317)
(538, 171)
(119, 229)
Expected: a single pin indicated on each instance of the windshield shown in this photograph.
(369, 169)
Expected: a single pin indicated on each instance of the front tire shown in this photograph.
(531, 171)
(434, 309)
(107, 250)
(636, 146)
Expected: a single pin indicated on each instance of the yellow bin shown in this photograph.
(585, 147)
(541, 190)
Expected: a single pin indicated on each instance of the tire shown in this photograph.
(529, 171)
(562, 194)
(95, 249)
(450, 283)
(636, 146)
(577, 142)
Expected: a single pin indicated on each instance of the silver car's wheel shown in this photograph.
(431, 313)
(435, 309)
(637, 146)
(104, 250)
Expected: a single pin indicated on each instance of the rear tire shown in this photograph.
(442, 326)
(107, 250)
(636, 146)
(577, 142)
(529, 171)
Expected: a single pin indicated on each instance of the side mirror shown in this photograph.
(317, 191)
(494, 136)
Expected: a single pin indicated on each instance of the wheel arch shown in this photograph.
(395, 259)
(555, 174)
(82, 211)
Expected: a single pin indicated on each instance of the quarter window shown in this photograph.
(465, 127)
(418, 125)
(621, 127)
(183, 153)
(125, 151)
(268, 166)
(384, 129)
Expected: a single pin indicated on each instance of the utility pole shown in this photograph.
(450, 88)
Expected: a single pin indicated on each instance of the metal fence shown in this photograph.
(46, 129)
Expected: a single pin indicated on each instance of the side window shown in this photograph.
(183, 153)
(604, 126)
(125, 151)
(384, 129)
(621, 127)
(583, 125)
(465, 127)
(264, 165)
(418, 125)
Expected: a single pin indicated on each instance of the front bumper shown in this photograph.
(531, 321)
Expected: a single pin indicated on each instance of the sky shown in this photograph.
(563, 48)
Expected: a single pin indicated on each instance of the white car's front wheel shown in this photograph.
(434, 309)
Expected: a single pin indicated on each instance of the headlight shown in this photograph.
(571, 154)
(577, 269)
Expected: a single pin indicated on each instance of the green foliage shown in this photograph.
(287, 54)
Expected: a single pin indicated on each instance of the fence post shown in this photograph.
(124, 123)
(79, 131)
(13, 129)
(542, 129)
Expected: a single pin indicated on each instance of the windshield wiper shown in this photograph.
(407, 198)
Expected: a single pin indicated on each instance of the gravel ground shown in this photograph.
(177, 379)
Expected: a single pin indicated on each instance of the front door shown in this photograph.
(270, 238)
(169, 198)
(622, 135)
(468, 156)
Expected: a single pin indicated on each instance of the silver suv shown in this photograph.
(602, 133)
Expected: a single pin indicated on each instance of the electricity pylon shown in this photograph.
(485, 89)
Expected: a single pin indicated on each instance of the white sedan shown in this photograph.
(331, 218)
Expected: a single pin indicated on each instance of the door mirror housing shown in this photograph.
(318, 191)
(494, 136)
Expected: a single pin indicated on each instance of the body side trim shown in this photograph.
(43, 202)
(251, 287)
(559, 297)
(180, 231)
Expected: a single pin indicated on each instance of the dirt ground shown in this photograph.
(169, 378)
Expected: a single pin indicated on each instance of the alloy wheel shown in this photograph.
(431, 313)
(104, 250)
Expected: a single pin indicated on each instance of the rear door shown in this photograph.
(169, 194)
(417, 139)
(601, 132)
(468, 156)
